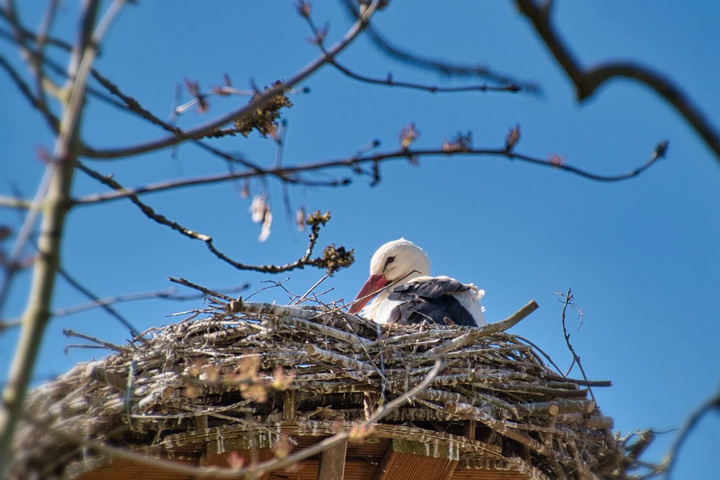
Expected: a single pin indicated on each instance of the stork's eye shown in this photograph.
(389, 260)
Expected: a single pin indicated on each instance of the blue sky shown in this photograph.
(641, 256)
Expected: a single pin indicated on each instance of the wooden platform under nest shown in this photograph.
(250, 383)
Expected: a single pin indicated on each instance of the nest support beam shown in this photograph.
(332, 462)
(389, 453)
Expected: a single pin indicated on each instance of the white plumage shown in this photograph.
(402, 290)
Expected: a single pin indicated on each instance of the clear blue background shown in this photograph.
(641, 256)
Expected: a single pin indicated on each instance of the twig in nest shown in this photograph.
(110, 346)
(200, 288)
(304, 295)
(272, 284)
(168, 294)
(568, 300)
(542, 352)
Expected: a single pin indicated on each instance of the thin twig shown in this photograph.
(134, 106)
(272, 284)
(97, 301)
(34, 57)
(222, 91)
(390, 82)
(568, 300)
(39, 54)
(304, 295)
(110, 346)
(168, 294)
(32, 36)
(200, 288)
(59, 70)
(542, 352)
(24, 88)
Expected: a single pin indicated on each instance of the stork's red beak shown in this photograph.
(372, 286)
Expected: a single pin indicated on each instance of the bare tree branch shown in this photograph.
(428, 88)
(221, 91)
(354, 161)
(328, 260)
(713, 403)
(587, 81)
(39, 54)
(8, 324)
(318, 39)
(12, 266)
(59, 70)
(24, 88)
(61, 169)
(134, 106)
(32, 36)
(13, 263)
(242, 112)
(441, 66)
(105, 306)
(34, 56)
(12, 202)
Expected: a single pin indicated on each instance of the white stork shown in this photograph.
(405, 293)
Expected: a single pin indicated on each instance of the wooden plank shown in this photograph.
(407, 460)
(494, 469)
(247, 441)
(201, 422)
(370, 403)
(126, 470)
(289, 406)
(332, 462)
(469, 429)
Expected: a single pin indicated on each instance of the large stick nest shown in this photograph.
(236, 366)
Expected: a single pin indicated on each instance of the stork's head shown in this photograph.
(395, 262)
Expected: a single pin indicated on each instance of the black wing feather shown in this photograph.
(430, 300)
(433, 288)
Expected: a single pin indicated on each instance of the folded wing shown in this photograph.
(442, 300)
